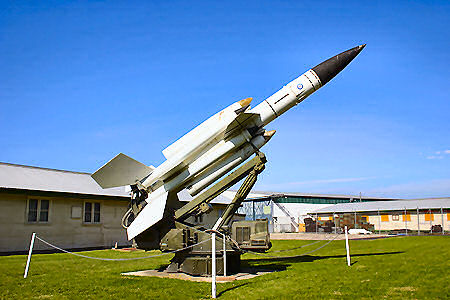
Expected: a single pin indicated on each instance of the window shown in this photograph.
(91, 212)
(38, 210)
(384, 218)
(395, 217)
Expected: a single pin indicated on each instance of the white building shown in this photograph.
(67, 209)
(415, 215)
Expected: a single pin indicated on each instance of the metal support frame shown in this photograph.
(252, 169)
(217, 189)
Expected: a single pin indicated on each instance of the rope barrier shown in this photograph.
(118, 259)
(303, 246)
(273, 256)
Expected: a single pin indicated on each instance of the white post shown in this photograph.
(29, 255)
(379, 222)
(334, 222)
(431, 220)
(213, 262)
(406, 222)
(224, 256)
(347, 247)
(317, 221)
(442, 220)
(418, 221)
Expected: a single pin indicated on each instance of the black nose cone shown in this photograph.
(331, 67)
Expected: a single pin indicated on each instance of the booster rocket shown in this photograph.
(213, 148)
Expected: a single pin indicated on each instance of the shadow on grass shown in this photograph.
(231, 288)
(310, 258)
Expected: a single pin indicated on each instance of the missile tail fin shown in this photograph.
(121, 170)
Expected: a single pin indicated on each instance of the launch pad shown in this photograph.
(244, 274)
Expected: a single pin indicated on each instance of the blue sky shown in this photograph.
(83, 81)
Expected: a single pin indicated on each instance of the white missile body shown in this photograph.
(290, 95)
(213, 148)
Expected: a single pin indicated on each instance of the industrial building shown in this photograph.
(66, 208)
(418, 215)
(286, 212)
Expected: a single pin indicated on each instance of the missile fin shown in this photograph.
(150, 214)
(121, 170)
(239, 122)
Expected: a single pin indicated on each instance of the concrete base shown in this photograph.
(245, 274)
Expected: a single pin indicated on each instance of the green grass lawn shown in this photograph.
(401, 267)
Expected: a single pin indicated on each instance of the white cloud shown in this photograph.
(438, 154)
(435, 157)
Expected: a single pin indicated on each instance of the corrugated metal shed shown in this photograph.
(434, 203)
(21, 177)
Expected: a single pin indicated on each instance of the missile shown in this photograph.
(215, 147)
(300, 88)
(224, 166)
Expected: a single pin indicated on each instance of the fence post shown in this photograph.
(334, 222)
(317, 221)
(224, 257)
(442, 220)
(406, 222)
(379, 222)
(347, 246)
(431, 220)
(418, 221)
(213, 263)
(29, 255)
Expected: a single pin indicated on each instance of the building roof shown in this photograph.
(21, 177)
(254, 195)
(432, 203)
(13, 176)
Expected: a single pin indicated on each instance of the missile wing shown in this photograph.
(121, 170)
